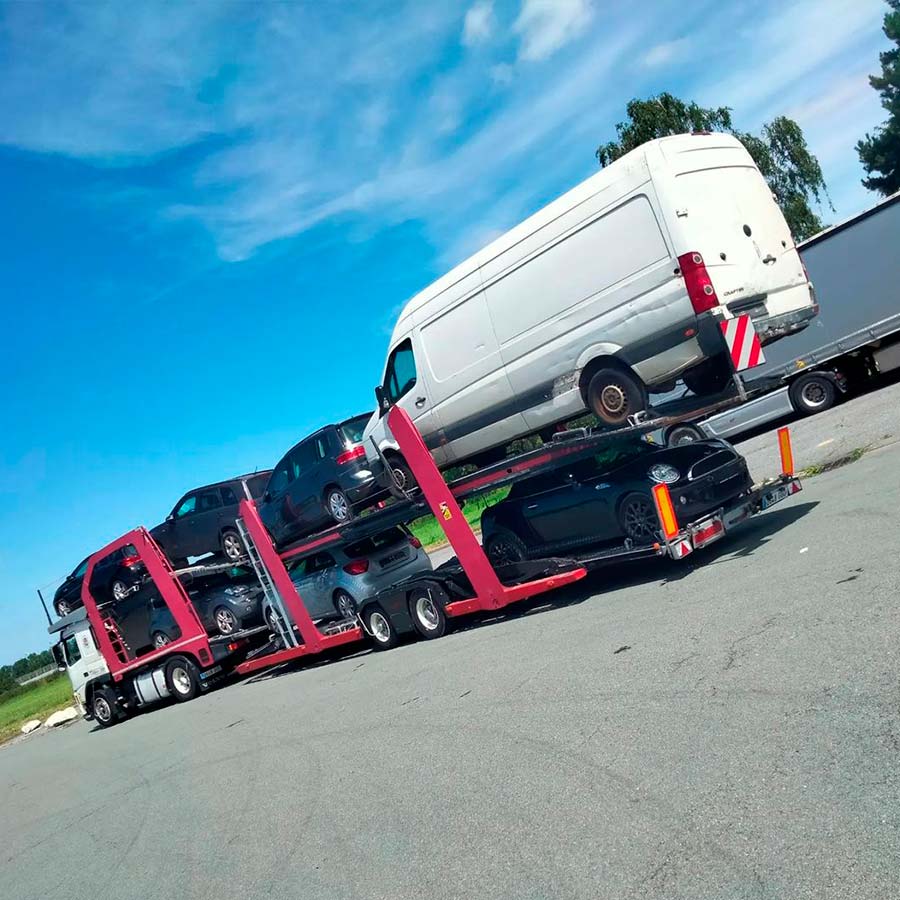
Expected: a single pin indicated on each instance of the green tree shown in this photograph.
(880, 152)
(780, 151)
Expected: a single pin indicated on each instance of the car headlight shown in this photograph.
(663, 473)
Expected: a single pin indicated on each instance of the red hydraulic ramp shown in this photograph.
(490, 594)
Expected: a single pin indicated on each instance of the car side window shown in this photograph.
(400, 377)
(280, 478)
(187, 506)
(302, 458)
(321, 447)
(79, 572)
(228, 496)
(319, 563)
(209, 500)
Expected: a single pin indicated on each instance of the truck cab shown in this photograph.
(77, 654)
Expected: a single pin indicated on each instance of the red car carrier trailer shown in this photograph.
(137, 676)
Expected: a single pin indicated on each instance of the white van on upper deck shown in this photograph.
(609, 293)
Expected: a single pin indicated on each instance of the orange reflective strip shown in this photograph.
(664, 509)
(787, 452)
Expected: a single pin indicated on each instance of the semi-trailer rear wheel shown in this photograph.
(427, 613)
(812, 394)
(379, 627)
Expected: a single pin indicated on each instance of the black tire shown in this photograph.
(638, 518)
(182, 678)
(231, 545)
(337, 506)
(226, 621)
(678, 435)
(379, 628)
(64, 607)
(710, 377)
(105, 706)
(503, 546)
(160, 639)
(811, 394)
(344, 604)
(427, 613)
(614, 394)
(402, 473)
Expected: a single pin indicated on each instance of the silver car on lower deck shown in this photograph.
(334, 583)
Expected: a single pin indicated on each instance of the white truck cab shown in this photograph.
(77, 654)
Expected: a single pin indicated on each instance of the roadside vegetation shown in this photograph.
(34, 701)
(430, 533)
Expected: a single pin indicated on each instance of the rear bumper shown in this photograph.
(772, 328)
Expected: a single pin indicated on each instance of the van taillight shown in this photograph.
(357, 452)
(697, 281)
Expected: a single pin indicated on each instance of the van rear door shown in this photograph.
(727, 213)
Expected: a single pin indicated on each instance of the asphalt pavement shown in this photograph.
(727, 727)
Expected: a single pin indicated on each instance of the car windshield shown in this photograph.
(351, 431)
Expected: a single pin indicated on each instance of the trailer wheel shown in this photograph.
(379, 627)
(812, 394)
(427, 614)
(614, 394)
(505, 547)
(637, 518)
(182, 678)
(684, 434)
(105, 706)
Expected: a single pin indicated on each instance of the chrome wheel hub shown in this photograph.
(181, 681)
(102, 709)
(380, 627)
(427, 613)
(814, 394)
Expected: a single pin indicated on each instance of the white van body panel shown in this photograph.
(501, 341)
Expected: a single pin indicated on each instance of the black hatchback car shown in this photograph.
(114, 577)
(202, 521)
(321, 481)
(607, 498)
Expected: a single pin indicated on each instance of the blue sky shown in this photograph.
(213, 210)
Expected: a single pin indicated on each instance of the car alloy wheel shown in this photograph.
(160, 639)
(63, 607)
(232, 546)
(338, 506)
(226, 621)
(119, 590)
(638, 518)
(344, 604)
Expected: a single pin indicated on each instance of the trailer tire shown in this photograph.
(813, 393)
(427, 614)
(503, 546)
(105, 706)
(379, 627)
(182, 678)
(684, 434)
(614, 394)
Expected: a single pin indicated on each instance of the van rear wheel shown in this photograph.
(613, 395)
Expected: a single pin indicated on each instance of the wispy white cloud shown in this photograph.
(478, 24)
(665, 53)
(544, 26)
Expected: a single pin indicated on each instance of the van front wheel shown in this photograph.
(613, 395)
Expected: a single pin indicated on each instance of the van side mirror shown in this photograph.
(383, 403)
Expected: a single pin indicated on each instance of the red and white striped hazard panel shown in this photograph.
(743, 343)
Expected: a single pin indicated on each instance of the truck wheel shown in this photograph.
(684, 434)
(105, 707)
(812, 394)
(505, 547)
(428, 614)
(182, 678)
(379, 627)
(613, 395)
(232, 545)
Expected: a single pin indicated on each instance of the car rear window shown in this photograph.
(351, 431)
(371, 545)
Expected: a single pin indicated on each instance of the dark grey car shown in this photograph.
(202, 521)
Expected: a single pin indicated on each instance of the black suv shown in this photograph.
(319, 482)
(114, 577)
(202, 521)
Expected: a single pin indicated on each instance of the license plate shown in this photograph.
(392, 558)
(210, 672)
(776, 496)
